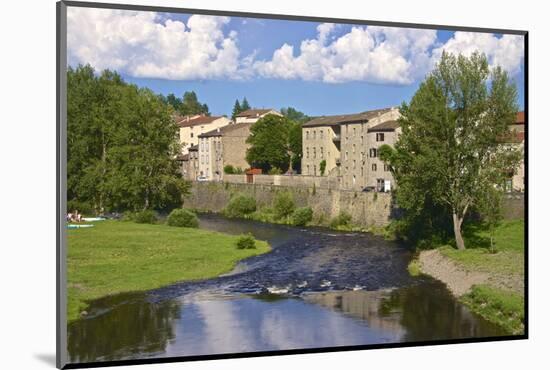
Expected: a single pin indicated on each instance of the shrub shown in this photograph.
(275, 171)
(229, 169)
(182, 218)
(145, 217)
(302, 216)
(343, 219)
(322, 167)
(240, 205)
(246, 241)
(82, 207)
(283, 206)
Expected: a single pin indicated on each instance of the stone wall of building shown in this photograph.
(366, 209)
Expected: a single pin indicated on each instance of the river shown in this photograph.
(316, 288)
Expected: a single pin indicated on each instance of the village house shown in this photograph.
(253, 115)
(192, 126)
(348, 146)
(221, 147)
(517, 180)
(190, 163)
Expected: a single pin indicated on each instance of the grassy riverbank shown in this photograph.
(117, 256)
(497, 277)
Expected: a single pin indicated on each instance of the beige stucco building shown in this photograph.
(517, 181)
(221, 147)
(192, 126)
(190, 163)
(253, 115)
(349, 146)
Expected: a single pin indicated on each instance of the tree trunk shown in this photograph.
(457, 226)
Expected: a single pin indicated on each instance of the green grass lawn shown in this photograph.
(509, 245)
(503, 307)
(117, 256)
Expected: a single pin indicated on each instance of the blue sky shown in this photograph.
(316, 68)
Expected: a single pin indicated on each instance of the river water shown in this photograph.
(317, 288)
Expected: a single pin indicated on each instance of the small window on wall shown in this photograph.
(379, 136)
(307, 134)
(386, 168)
(191, 134)
(374, 167)
(314, 152)
(307, 153)
(321, 134)
(314, 134)
(373, 152)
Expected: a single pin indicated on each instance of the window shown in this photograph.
(386, 168)
(346, 157)
(373, 152)
(362, 172)
(191, 134)
(320, 134)
(374, 167)
(321, 152)
(362, 141)
(354, 132)
(314, 134)
(314, 152)
(353, 147)
(380, 184)
(307, 173)
(354, 164)
(307, 134)
(307, 153)
(379, 136)
(314, 170)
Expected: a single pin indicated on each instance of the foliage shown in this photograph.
(322, 167)
(182, 218)
(146, 256)
(283, 204)
(414, 268)
(121, 145)
(271, 144)
(239, 108)
(499, 306)
(84, 208)
(240, 205)
(301, 216)
(275, 171)
(342, 220)
(144, 217)
(246, 241)
(451, 152)
(229, 169)
(295, 115)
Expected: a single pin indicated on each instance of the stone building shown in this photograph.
(192, 126)
(253, 115)
(190, 163)
(517, 180)
(348, 145)
(221, 147)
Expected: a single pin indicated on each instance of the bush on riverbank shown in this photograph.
(240, 205)
(182, 218)
(283, 205)
(301, 216)
(343, 220)
(144, 217)
(496, 305)
(246, 241)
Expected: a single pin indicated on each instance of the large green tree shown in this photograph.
(270, 143)
(121, 145)
(451, 155)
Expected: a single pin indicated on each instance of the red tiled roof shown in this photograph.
(253, 112)
(520, 118)
(188, 121)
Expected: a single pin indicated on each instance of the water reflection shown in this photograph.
(317, 268)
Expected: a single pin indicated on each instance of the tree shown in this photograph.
(236, 110)
(295, 115)
(269, 143)
(451, 152)
(245, 106)
(191, 105)
(295, 145)
(121, 145)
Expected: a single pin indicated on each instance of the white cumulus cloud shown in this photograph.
(143, 44)
(506, 51)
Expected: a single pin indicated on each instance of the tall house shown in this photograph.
(221, 147)
(192, 126)
(517, 180)
(253, 115)
(348, 145)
